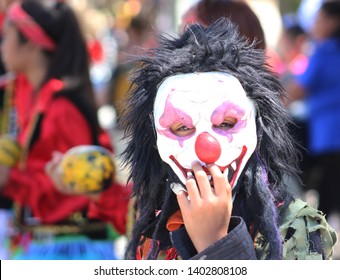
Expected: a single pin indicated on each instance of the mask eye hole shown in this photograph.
(181, 130)
(228, 123)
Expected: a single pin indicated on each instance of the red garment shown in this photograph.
(2, 17)
(112, 207)
(95, 50)
(62, 127)
(22, 99)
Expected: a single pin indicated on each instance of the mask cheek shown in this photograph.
(247, 139)
(170, 148)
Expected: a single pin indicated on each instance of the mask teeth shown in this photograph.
(233, 165)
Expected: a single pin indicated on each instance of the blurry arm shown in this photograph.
(4, 173)
(63, 127)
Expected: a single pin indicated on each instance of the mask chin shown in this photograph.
(233, 169)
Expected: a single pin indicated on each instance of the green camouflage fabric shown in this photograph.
(300, 224)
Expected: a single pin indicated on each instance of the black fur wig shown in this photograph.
(260, 188)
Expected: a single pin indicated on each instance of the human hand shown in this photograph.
(53, 171)
(4, 173)
(207, 213)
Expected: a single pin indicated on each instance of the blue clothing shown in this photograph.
(322, 83)
(68, 248)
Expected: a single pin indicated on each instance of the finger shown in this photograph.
(228, 186)
(192, 188)
(202, 179)
(57, 156)
(52, 169)
(53, 163)
(220, 182)
(183, 201)
(48, 168)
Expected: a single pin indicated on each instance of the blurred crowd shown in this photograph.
(64, 75)
(309, 59)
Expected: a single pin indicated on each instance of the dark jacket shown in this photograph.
(304, 230)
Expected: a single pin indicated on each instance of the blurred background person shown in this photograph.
(206, 12)
(5, 78)
(135, 36)
(45, 44)
(5, 102)
(306, 13)
(292, 50)
(320, 86)
(102, 46)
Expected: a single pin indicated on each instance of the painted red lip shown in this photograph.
(234, 173)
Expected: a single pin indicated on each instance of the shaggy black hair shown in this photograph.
(260, 189)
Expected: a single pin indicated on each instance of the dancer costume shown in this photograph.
(50, 224)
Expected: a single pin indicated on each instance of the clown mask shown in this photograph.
(204, 117)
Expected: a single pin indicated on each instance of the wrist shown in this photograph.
(204, 243)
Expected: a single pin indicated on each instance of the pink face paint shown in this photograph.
(228, 109)
(173, 115)
(203, 101)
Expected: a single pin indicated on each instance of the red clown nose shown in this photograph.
(207, 148)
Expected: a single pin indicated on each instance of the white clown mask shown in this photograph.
(204, 117)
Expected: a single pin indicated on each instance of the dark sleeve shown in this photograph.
(237, 245)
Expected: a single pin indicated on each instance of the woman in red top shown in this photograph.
(46, 45)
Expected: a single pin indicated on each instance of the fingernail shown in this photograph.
(176, 188)
(196, 163)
